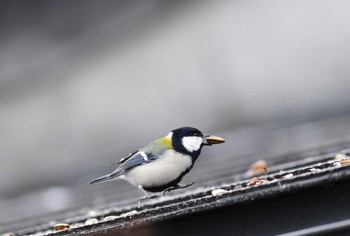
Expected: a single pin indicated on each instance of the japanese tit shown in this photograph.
(161, 164)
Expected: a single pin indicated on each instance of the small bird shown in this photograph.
(161, 164)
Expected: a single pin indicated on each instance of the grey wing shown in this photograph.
(152, 151)
(134, 159)
(127, 157)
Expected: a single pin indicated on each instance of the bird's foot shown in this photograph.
(146, 197)
(177, 186)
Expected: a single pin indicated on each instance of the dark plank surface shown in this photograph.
(281, 146)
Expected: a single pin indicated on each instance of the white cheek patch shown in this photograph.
(192, 143)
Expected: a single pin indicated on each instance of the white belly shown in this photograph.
(161, 171)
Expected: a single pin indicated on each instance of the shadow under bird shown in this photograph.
(161, 164)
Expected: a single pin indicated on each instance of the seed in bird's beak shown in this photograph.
(211, 139)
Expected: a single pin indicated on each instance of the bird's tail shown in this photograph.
(105, 178)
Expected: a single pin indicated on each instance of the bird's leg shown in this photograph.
(145, 197)
(177, 186)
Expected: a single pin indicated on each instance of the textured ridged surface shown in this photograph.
(283, 148)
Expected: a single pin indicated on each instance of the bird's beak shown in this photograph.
(211, 139)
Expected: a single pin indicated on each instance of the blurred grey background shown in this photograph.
(83, 83)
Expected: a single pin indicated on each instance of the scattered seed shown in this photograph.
(91, 221)
(258, 167)
(254, 181)
(314, 170)
(61, 226)
(218, 192)
(263, 181)
(273, 180)
(108, 218)
(288, 176)
(340, 156)
(130, 213)
(238, 187)
(92, 213)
